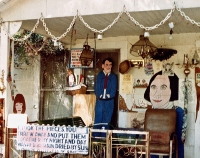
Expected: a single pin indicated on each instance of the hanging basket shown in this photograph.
(79, 89)
(124, 66)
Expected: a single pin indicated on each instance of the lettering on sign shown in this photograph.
(60, 139)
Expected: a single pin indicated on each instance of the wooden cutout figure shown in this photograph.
(82, 80)
(71, 79)
(105, 90)
(19, 106)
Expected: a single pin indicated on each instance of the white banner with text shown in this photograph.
(60, 139)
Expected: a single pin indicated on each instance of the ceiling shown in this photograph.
(124, 26)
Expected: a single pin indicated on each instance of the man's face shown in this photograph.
(160, 92)
(107, 66)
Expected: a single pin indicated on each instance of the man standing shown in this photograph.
(105, 90)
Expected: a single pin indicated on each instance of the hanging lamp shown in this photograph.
(143, 47)
(86, 57)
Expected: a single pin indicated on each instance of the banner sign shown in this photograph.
(59, 139)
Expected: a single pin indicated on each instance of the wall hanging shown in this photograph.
(163, 54)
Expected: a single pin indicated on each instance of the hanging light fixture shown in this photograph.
(86, 57)
(143, 47)
(171, 26)
(100, 37)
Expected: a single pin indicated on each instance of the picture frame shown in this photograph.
(137, 63)
(141, 82)
(75, 61)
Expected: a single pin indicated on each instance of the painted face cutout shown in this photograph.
(160, 92)
(18, 107)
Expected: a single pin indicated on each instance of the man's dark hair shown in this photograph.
(109, 59)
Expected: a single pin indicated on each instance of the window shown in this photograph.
(54, 103)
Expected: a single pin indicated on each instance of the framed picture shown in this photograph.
(137, 63)
(78, 60)
(140, 83)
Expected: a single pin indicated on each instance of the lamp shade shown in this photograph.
(142, 47)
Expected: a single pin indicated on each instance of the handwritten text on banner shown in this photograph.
(60, 139)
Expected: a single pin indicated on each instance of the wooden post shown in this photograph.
(36, 154)
(108, 145)
(7, 143)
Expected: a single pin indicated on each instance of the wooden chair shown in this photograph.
(161, 124)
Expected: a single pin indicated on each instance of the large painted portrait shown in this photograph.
(162, 90)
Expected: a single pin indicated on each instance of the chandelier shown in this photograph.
(143, 47)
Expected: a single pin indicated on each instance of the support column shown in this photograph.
(4, 54)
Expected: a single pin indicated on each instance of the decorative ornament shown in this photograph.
(163, 54)
(186, 65)
(168, 69)
(124, 66)
(148, 68)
